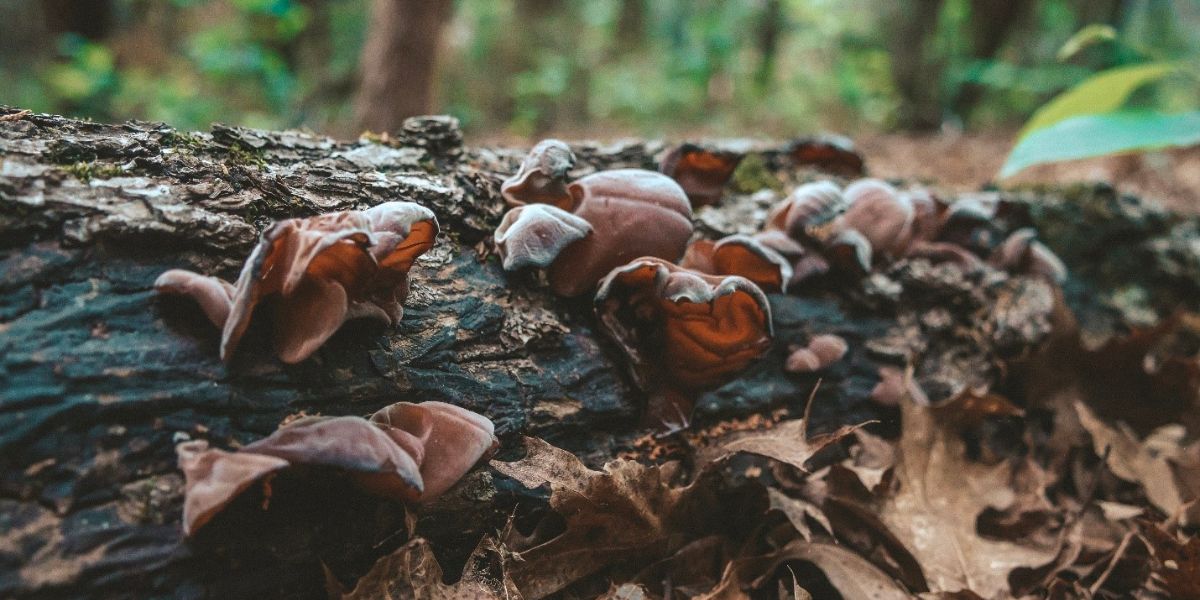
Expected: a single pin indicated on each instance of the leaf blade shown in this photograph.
(1099, 135)
(1103, 92)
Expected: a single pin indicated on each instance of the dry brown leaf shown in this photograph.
(787, 442)
(939, 495)
(1176, 563)
(798, 512)
(1145, 462)
(852, 575)
(412, 572)
(627, 513)
(626, 591)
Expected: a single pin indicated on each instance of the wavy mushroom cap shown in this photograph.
(821, 352)
(402, 232)
(832, 154)
(615, 216)
(408, 452)
(542, 176)
(971, 223)
(324, 269)
(881, 214)
(213, 478)
(375, 461)
(214, 295)
(701, 172)
(693, 331)
(1021, 252)
(739, 255)
(808, 212)
(451, 440)
(310, 262)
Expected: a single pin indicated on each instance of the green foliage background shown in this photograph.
(522, 67)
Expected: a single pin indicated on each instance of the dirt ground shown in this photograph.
(970, 160)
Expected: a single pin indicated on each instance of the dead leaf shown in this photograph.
(849, 573)
(787, 442)
(626, 514)
(1175, 567)
(940, 494)
(413, 572)
(1146, 462)
(798, 512)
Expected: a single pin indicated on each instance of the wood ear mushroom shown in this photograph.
(605, 220)
(320, 272)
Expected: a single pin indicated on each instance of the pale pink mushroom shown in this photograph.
(821, 352)
(406, 452)
(615, 216)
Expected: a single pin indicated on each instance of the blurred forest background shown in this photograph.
(526, 67)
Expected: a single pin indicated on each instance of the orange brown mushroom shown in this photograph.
(319, 272)
(739, 255)
(406, 452)
(682, 332)
(606, 220)
(701, 172)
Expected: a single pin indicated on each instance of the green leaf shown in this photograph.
(1103, 92)
(1088, 36)
(1099, 135)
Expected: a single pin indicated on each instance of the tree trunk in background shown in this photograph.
(770, 29)
(90, 18)
(916, 72)
(398, 61)
(990, 24)
(631, 26)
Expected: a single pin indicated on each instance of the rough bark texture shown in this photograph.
(99, 378)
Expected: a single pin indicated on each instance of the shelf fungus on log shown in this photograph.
(407, 452)
(740, 255)
(682, 332)
(701, 172)
(605, 220)
(319, 272)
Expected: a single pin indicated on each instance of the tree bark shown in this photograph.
(399, 61)
(99, 378)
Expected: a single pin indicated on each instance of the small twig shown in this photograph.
(1112, 564)
(808, 407)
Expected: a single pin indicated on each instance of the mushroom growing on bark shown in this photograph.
(682, 332)
(821, 352)
(739, 255)
(407, 452)
(1021, 252)
(320, 271)
(605, 220)
(542, 177)
(701, 172)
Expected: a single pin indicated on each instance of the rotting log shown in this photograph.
(99, 378)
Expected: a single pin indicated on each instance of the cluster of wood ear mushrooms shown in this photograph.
(688, 315)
